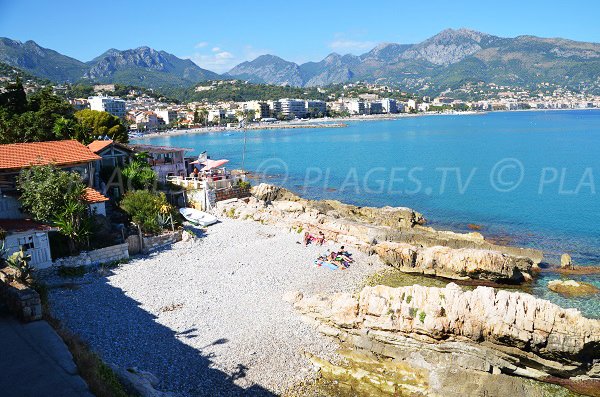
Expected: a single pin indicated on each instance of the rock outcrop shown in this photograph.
(396, 234)
(443, 329)
(572, 288)
(566, 261)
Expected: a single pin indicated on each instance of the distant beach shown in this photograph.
(326, 122)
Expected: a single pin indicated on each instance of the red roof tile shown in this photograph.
(92, 196)
(61, 153)
(96, 146)
(22, 225)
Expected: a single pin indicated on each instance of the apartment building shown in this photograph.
(356, 107)
(316, 107)
(389, 105)
(169, 116)
(114, 106)
(293, 108)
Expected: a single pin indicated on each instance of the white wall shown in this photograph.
(40, 253)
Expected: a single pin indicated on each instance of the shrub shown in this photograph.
(139, 174)
(244, 185)
(422, 317)
(53, 195)
(20, 262)
(145, 208)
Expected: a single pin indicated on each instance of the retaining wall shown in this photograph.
(155, 242)
(20, 300)
(96, 257)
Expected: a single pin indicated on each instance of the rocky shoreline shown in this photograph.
(442, 338)
(396, 234)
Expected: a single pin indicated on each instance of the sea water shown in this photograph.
(522, 178)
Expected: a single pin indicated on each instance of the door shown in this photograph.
(37, 246)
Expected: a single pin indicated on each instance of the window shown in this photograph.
(26, 243)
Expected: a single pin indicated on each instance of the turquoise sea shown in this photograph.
(523, 178)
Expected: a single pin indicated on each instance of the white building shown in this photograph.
(275, 108)
(169, 116)
(389, 105)
(315, 107)
(356, 107)
(261, 109)
(293, 108)
(216, 114)
(112, 105)
(411, 104)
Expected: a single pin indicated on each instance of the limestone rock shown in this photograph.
(566, 261)
(483, 328)
(572, 288)
(396, 234)
(454, 263)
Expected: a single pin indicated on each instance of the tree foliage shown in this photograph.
(145, 209)
(97, 124)
(44, 116)
(139, 174)
(55, 196)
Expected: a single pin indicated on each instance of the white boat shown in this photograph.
(198, 217)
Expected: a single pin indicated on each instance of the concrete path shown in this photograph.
(34, 362)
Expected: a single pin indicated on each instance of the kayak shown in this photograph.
(198, 217)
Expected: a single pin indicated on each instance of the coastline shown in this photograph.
(326, 122)
(237, 283)
(338, 122)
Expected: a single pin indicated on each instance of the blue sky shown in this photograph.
(219, 34)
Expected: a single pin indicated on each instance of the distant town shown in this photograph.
(143, 111)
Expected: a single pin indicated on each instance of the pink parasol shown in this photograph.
(210, 164)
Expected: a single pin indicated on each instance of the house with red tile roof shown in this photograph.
(69, 155)
(33, 236)
(113, 154)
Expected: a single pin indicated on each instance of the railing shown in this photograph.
(196, 183)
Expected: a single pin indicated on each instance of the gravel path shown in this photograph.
(208, 316)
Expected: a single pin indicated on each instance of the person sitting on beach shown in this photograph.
(321, 239)
(307, 238)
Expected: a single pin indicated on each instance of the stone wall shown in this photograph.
(96, 257)
(20, 300)
(234, 192)
(155, 242)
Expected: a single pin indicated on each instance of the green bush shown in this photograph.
(146, 209)
(244, 185)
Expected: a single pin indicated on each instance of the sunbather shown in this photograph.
(344, 255)
(321, 239)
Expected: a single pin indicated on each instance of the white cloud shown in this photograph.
(201, 44)
(220, 60)
(352, 43)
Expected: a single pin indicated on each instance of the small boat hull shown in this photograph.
(198, 217)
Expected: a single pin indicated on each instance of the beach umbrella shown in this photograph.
(210, 164)
(201, 158)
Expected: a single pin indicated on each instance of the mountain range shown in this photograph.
(450, 59)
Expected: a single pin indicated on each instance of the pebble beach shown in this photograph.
(211, 316)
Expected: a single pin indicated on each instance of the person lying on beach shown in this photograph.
(344, 255)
